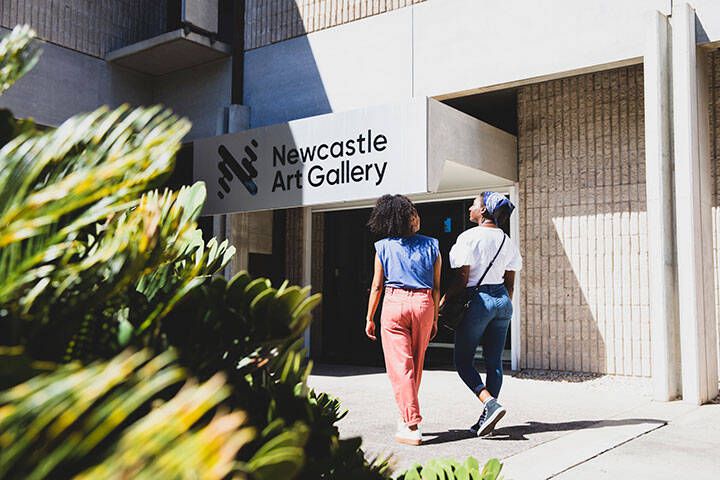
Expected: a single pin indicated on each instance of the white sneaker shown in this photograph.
(407, 436)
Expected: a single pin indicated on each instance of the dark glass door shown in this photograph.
(348, 270)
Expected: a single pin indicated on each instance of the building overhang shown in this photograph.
(417, 147)
(169, 52)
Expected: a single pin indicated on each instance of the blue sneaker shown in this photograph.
(475, 428)
(493, 413)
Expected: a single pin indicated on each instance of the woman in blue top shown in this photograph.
(407, 265)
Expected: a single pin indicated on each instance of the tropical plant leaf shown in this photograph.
(54, 185)
(491, 470)
(55, 424)
(17, 55)
(449, 468)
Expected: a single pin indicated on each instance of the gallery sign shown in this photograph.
(338, 157)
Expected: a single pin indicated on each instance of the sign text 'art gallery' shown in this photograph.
(336, 163)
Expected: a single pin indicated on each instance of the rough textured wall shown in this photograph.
(94, 27)
(294, 245)
(583, 230)
(318, 252)
(269, 22)
(715, 166)
(294, 224)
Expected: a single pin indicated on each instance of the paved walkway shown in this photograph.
(606, 427)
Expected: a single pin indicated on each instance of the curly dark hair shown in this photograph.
(391, 216)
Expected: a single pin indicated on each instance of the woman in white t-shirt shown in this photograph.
(488, 317)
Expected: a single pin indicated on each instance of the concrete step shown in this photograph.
(562, 454)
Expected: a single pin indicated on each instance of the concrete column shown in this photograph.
(307, 260)
(696, 291)
(298, 250)
(233, 226)
(238, 234)
(661, 231)
(516, 325)
(220, 221)
(238, 224)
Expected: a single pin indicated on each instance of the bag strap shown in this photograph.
(489, 266)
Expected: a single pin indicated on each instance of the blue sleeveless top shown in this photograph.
(408, 261)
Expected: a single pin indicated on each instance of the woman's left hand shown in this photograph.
(434, 330)
(370, 329)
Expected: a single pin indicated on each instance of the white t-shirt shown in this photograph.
(477, 247)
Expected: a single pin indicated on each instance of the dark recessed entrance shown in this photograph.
(348, 262)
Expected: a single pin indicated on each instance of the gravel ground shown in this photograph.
(635, 385)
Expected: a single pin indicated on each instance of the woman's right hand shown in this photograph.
(370, 329)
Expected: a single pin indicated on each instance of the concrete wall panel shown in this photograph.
(197, 93)
(363, 63)
(435, 48)
(65, 82)
(466, 44)
(708, 14)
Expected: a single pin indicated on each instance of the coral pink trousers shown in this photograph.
(406, 325)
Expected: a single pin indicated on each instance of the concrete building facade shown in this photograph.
(614, 107)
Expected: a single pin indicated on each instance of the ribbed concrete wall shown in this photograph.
(714, 111)
(94, 27)
(583, 230)
(318, 252)
(269, 22)
(294, 231)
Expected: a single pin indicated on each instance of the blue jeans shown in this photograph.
(486, 323)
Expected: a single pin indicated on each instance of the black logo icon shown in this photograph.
(245, 173)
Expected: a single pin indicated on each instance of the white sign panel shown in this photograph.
(331, 158)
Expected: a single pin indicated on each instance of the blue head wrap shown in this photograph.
(497, 204)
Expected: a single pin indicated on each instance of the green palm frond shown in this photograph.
(185, 259)
(451, 469)
(17, 55)
(239, 325)
(79, 228)
(78, 417)
(53, 186)
(282, 455)
(147, 259)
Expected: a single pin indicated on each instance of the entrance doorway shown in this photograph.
(348, 271)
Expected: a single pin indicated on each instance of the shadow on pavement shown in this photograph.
(520, 432)
(447, 437)
(334, 370)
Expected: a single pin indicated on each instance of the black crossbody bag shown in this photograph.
(453, 311)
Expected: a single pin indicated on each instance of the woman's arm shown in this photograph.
(509, 281)
(437, 269)
(458, 283)
(375, 289)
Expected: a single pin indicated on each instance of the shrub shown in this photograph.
(124, 356)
